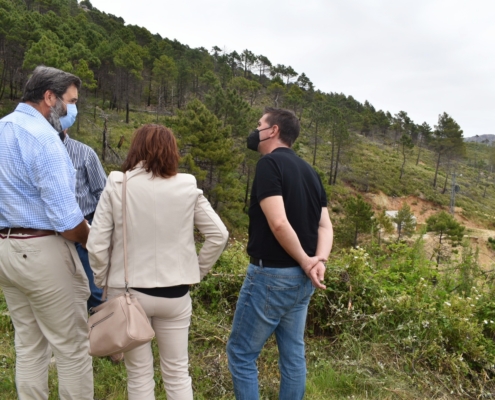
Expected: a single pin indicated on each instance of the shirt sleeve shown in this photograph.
(54, 177)
(96, 175)
(216, 235)
(268, 179)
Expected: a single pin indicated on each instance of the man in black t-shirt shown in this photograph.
(290, 236)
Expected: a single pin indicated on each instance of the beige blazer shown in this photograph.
(161, 215)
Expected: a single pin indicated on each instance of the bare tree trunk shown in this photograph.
(419, 150)
(403, 163)
(316, 141)
(337, 160)
(436, 171)
(447, 172)
(105, 143)
(2, 80)
(149, 91)
(331, 157)
(127, 97)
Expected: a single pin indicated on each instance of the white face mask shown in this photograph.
(68, 120)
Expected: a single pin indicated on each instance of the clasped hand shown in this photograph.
(315, 270)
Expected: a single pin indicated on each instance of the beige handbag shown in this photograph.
(120, 324)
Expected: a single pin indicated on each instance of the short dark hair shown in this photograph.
(157, 147)
(48, 78)
(287, 122)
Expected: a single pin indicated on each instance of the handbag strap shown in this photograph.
(124, 227)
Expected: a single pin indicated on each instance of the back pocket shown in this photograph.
(280, 300)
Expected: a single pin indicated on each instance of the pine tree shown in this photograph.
(446, 227)
(447, 141)
(406, 145)
(405, 221)
(208, 153)
(359, 216)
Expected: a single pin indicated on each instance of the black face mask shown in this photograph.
(253, 139)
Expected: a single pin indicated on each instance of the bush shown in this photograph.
(397, 298)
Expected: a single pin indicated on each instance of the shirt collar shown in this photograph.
(30, 110)
(283, 149)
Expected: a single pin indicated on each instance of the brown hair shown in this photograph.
(287, 123)
(157, 147)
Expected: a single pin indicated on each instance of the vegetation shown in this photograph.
(396, 321)
(387, 326)
(406, 225)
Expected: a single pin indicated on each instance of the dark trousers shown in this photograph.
(96, 293)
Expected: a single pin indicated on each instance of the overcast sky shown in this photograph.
(425, 57)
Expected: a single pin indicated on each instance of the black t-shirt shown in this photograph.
(283, 173)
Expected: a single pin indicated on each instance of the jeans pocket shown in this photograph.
(280, 300)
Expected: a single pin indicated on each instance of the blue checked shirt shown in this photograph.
(37, 178)
(90, 175)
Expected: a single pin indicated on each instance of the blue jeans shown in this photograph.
(96, 293)
(271, 300)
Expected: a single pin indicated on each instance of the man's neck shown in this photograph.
(276, 145)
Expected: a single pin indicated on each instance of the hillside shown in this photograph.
(477, 234)
(131, 76)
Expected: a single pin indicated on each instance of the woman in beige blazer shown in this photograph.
(163, 207)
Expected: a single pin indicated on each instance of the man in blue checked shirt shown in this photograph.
(90, 182)
(41, 276)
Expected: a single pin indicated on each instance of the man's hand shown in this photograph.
(78, 234)
(315, 270)
(317, 275)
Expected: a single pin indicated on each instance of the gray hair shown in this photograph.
(48, 78)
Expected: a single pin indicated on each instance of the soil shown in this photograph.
(422, 209)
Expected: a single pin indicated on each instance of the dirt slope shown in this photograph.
(423, 209)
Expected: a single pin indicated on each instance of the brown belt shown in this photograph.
(27, 231)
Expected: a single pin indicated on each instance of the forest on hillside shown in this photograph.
(212, 99)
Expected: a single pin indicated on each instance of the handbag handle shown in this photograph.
(124, 227)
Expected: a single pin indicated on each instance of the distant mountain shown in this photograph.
(481, 139)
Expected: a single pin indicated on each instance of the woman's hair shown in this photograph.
(156, 146)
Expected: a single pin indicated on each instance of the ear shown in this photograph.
(49, 98)
(276, 131)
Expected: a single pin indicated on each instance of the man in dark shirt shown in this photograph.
(90, 182)
(290, 236)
